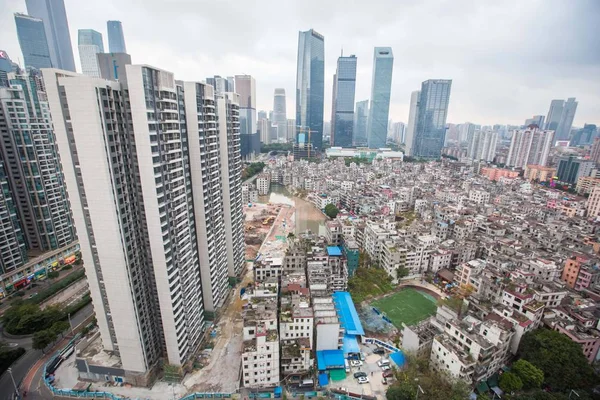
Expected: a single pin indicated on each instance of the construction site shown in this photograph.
(258, 223)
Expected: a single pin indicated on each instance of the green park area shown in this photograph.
(408, 305)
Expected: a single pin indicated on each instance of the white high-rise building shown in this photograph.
(412, 121)
(279, 114)
(481, 145)
(142, 161)
(529, 146)
(90, 43)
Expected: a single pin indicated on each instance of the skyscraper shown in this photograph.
(54, 15)
(90, 44)
(13, 248)
(361, 120)
(342, 125)
(554, 114)
(381, 87)
(431, 122)
(398, 129)
(529, 146)
(245, 86)
(32, 165)
(481, 145)
(310, 89)
(33, 41)
(413, 115)
(291, 130)
(535, 120)
(116, 39)
(280, 115)
(220, 84)
(147, 191)
(560, 117)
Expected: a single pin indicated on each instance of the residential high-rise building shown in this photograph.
(361, 120)
(584, 136)
(112, 65)
(264, 130)
(430, 130)
(593, 203)
(143, 164)
(33, 41)
(90, 44)
(529, 146)
(398, 130)
(595, 153)
(221, 85)
(227, 106)
(466, 130)
(535, 120)
(291, 130)
(279, 114)
(231, 83)
(481, 145)
(560, 118)
(381, 88)
(13, 248)
(56, 25)
(413, 116)
(245, 86)
(32, 165)
(116, 39)
(571, 168)
(310, 89)
(342, 124)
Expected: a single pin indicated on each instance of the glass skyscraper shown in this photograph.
(33, 42)
(90, 43)
(342, 126)
(361, 119)
(381, 87)
(310, 88)
(430, 130)
(116, 39)
(54, 15)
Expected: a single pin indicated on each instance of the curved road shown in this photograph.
(31, 357)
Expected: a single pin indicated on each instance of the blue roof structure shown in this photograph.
(330, 359)
(350, 345)
(335, 251)
(398, 359)
(323, 380)
(347, 313)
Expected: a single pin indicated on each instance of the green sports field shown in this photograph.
(408, 305)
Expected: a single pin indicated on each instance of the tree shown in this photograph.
(59, 327)
(401, 272)
(331, 210)
(531, 376)
(510, 382)
(561, 360)
(42, 339)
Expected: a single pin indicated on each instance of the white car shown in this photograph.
(382, 363)
(356, 363)
(363, 379)
(385, 367)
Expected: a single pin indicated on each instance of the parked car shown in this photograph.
(362, 356)
(363, 379)
(379, 350)
(385, 367)
(356, 363)
(383, 363)
(360, 374)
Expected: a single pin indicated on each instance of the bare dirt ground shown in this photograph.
(259, 219)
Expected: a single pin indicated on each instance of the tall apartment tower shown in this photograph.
(595, 153)
(280, 114)
(32, 164)
(381, 88)
(342, 124)
(231, 165)
(310, 89)
(361, 120)
(413, 115)
(481, 145)
(141, 159)
(116, 39)
(56, 25)
(13, 248)
(33, 41)
(90, 44)
(430, 130)
(245, 86)
(529, 146)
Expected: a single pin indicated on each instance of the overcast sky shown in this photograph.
(507, 59)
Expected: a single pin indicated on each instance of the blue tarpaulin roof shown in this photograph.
(323, 380)
(347, 313)
(334, 251)
(398, 359)
(327, 359)
(350, 345)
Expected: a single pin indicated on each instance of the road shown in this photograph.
(30, 358)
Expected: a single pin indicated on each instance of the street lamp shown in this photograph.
(12, 378)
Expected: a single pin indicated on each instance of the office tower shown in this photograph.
(112, 65)
(310, 89)
(397, 135)
(381, 87)
(361, 120)
(584, 136)
(262, 114)
(245, 86)
(231, 84)
(535, 120)
(560, 118)
(116, 39)
(32, 165)
(529, 146)
(33, 41)
(570, 169)
(413, 115)
(554, 114)
(481, 145)
(13, 248)
(5, 68)
(227, 106)
(221, 85)
(342, 123)
(279, 114)
(206, 170)
(90, 44)
(291, 130)
(264, 130)
(143, 180)
(431, 123)
(331, 135)
(53, 13)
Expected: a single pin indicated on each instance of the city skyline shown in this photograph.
(538, 74)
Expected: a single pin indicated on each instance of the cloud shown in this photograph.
(507, 59)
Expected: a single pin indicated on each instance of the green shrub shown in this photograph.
(7, 357)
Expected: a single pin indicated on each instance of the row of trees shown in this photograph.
(253, 169)
(41, 339)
